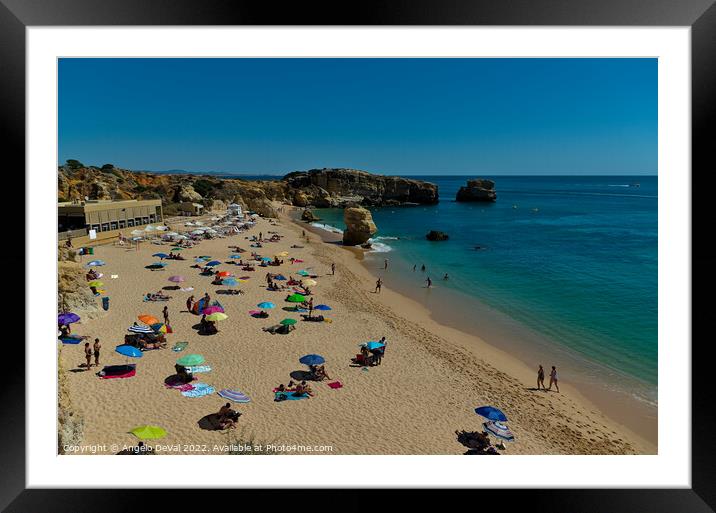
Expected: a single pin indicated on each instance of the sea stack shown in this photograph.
(478, 189)
(359, 226)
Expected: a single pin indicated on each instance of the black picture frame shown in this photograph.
(700, 15)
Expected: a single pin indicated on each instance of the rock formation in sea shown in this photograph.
(436, 235)
(309, 216)
(478, 189)
(359, 226)
(315, 188)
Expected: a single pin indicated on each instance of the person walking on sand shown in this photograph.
(189, 303)
(88, 354)
(310, 307)
(97, 346)
(429, 282)
(165, 312)
(553, 378)
(385, 264)
(540, 378)
(378, 285)
(333, 269)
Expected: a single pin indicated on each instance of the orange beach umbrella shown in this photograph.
(148, 319)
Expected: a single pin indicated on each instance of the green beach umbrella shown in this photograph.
(217, 316)
(295, 298)
(303, 273)
(190, 359)
(95, 283)
(177, 249)
(288, 322)
(149, 432)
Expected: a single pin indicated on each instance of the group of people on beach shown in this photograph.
(552, 379)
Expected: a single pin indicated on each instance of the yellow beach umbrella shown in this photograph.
(310, 282)
(282, 254)
(95, 283)
(148, 432)
(217, 316)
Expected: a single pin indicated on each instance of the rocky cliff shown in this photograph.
(359, 226)
(317, 187)
(477, 190)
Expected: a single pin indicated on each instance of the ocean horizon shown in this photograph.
(568, 261)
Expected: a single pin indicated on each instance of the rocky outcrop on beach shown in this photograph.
(359, 226)
(478, 189)
(309, 216)
(315, 188)
(73, 294)
(436, 235)
(338, 187)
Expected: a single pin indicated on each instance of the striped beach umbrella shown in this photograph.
(499, 430)
(140, 329)
(234, 395)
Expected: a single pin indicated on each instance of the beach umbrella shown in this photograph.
(208, 257)
(177, 249)
(160, 255)
(491, 413)
(140, 329)
(235, 256)
(230, 282)
(266, 259)
(223, 274)
(199, 260)
(181, 237)
(148, 319)
(161, 228)
(217, 316)
(67, 318)
(373, 345)
(266, 304)
(283, 254)
(136, 238)
(190, 359)
(212, 263)
(158, 264)
(212, 309)
(499, 430)
(177, 279)
(137, 232)
(280, 277)
(126, 350)
(94, 263)
(303, 272)
(322, 307)
(234, 395)
(288, 322)
(159, 327)
(312, 359)
(148, 432)
(95, 283)
(149, 228)
(295, 298)
(310, 283)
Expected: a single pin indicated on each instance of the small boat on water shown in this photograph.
(634, 185)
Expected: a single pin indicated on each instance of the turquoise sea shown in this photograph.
(567, 265)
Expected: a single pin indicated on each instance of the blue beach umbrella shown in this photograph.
(373, 345)
(279, 277)
(212, 263)
(158, 264)
(230, 282)
(303, 272)
(234, 256)
(160, 255)
(499, 430)
(126, 350)
(266, 304)
(322, 307)
(94, 263)
(312, 359)
(266, 259)
(67, 318)
(199, 260)
(491, 413)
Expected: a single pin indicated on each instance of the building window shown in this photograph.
(130, 222)
(152, 218)
(105, 227)
(113, 225)
(95, 227)
(137, 221)
(145, 220)
(122, 224)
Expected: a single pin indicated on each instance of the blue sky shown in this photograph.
(389, 116)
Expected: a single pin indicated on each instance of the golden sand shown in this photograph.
(431, 378)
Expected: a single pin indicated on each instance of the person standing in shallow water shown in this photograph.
(553, 378)
(422, 268)
(385, 264)
(415, 267)
(429, 282)
(540, 379)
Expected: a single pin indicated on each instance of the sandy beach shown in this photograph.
(430, 381)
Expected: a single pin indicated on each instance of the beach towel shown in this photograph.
(117, 371)
(335, 384)
(114, 276)
(200, 390)
(188, 289)
(198, 369)
(288, 396)
(105, 303)
(71, 340)
(234, 395)
(180, 346)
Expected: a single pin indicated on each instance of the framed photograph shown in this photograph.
(359, 247)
